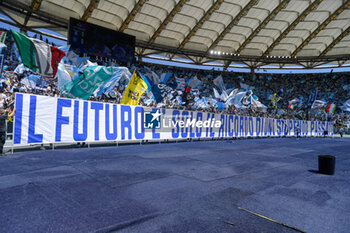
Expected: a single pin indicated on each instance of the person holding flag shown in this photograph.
(186, 97)
(274, 100)
(247, 99)
(4, 115)
(134, 90)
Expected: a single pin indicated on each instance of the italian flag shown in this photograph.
(330, 108)
(37, 55)
(291, 106)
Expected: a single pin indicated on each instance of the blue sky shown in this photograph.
(187, 65)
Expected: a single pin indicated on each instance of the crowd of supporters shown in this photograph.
(274, 91)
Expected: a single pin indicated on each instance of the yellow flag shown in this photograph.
(134, 90)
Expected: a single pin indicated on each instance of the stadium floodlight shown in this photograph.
(219, 52)
(211, 51)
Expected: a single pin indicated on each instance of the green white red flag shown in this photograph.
(37, 55)
(330, 108)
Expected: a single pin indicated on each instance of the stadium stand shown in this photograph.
(284, 96)
(103, 135)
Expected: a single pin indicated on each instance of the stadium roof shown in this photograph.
(256, 33)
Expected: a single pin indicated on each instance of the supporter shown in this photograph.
(297, 131)
(273, 90)
(3, 126)
(341, 131)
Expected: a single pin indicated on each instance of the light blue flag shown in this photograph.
(118, 73)
(219, 82)
(202, 103)
(73, 59)
(194, 82)
(221, 106)
(216, 94)
(237, 100)
(2, 47)
(30, 81)
(228, 91)
(86, 63)
(41, 84)
(149, 83)
(63, 77)
(165, 77)
(64, 48)
(317, 104)
(224, 96)
(20, 69)
(246, 87)
(346, 106)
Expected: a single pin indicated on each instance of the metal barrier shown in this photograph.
(9, 141)
(53, 146)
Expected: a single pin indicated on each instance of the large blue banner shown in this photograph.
(43, 119)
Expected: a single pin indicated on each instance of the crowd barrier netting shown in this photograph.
(43, 119)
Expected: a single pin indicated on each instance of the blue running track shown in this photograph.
(178, 187)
